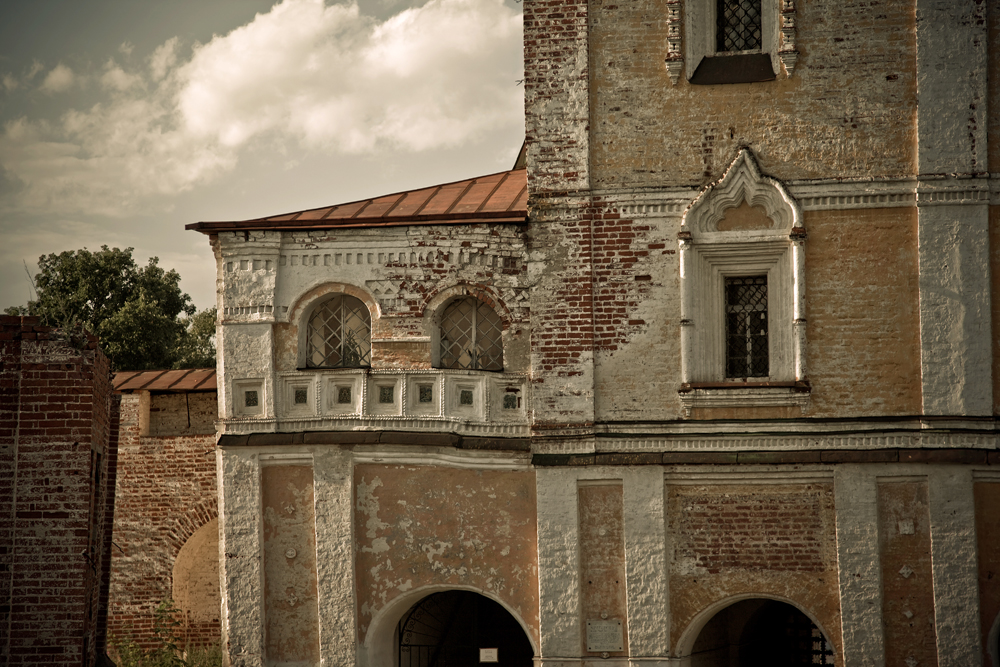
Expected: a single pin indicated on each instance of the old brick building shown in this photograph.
(166, 513)
(58, 444)
(711, 382)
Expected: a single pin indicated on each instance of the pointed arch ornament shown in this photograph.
(772, 245)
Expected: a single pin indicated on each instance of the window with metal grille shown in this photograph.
(738, 25)
(339, 334)
(746, 327)
(471, 336)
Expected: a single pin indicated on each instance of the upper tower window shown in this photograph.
(471, 336)
(738, 25)
(340, 334)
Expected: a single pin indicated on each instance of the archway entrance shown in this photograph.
(759, 633)
(450, 629)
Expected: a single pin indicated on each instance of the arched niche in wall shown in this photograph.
(196, 586)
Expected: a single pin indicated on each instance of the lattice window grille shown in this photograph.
(746, 328)
(738, 25)
(340, 335)
(471, 336)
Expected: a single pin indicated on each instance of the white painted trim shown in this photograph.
(954, 566)
(859, 565)
(751, 475)
(440, 456)
(708, 255)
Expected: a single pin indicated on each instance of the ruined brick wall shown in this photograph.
(55, 501)
(166, 490)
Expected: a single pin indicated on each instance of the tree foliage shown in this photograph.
(141, 316)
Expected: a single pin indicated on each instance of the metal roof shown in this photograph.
(497, 198)
(195, 379)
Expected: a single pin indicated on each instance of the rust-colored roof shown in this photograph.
(195, 379)
(496, 198)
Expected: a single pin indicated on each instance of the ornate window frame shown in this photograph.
(708, 255)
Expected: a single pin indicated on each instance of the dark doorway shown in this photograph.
(759, 633)
(449, 629)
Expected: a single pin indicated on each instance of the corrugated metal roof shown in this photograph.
(195, 379)
(496, 198)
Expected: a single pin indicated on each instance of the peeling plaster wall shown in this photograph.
(420, 526)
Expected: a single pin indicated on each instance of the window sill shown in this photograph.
(743, 395)
(739, 68)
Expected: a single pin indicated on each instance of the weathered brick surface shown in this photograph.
(863, 312)
(847, 111)
(769, 540)
(166, 491)
(56, 445)
(557, 95)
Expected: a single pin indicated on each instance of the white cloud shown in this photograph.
(59, 80)
(116, 78)
(10, 83)
(306, 76)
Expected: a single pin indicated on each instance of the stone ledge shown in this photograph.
(959, 456)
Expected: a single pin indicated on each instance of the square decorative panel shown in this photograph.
(301, 396)
(343, 395)
(509, 402)
(250, 399)
(465, 397)
(426, 393)
(385, 394)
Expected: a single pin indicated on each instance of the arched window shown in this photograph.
(340, 334)
(471, 336)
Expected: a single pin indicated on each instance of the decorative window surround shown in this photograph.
(708, 255)
(699, 42)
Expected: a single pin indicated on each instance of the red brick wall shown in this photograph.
(56, 423)
(166, 490)
(768, 540)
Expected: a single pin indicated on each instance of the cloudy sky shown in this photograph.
(123, 120)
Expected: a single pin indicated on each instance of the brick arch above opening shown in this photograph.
(187, 523)
(304, 303)
(435, 301)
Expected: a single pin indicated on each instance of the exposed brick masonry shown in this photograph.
(56, 426)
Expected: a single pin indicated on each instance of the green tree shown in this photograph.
(135, 311)
(197, 345)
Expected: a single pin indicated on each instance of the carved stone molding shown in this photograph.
(787, 53)
(675, 56)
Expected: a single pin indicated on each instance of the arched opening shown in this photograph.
(756, 632)
(196, 587)
(455, 628)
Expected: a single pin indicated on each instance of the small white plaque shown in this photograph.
(488, 655)
(604, 636)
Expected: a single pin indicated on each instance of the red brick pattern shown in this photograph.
(56, 503)
(765, 531)
(166, 491)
